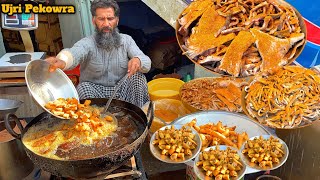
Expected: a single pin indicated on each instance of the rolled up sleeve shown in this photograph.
(66, 56)
(134, 51)
(75, 55)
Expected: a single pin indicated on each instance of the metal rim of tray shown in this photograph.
(187, 118)
(220, 112)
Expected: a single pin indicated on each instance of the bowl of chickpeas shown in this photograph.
(175, 144)
(219, 162)
(265, 152)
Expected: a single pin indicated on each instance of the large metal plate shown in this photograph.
(242, 122)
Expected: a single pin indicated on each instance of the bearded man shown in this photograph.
(106, 57)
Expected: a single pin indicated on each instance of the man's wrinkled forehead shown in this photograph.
(105, 13)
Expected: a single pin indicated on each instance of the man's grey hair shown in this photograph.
(105, 4)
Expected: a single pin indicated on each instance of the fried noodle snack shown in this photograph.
(222, 164)
(216, 134)
(287, 99)
(175, 143)
(264, 152)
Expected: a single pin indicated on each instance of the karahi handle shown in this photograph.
(11, 117)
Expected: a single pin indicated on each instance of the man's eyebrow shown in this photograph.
(106, 16)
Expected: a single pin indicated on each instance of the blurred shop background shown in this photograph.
(153, 35)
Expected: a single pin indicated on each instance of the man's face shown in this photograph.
(105, 20)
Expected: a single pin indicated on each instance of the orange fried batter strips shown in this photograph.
(287, 99)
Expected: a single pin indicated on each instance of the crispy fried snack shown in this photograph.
(213, 93)
(85, 127)
(264, 152)
(222, 164)
(87, 117)
(175, 143)
(216, 134)
(287, 99)
(218, 35)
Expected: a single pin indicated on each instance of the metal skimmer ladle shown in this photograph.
(114, 93)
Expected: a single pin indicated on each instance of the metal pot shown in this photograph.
(8, 106)
(93, 167)
(14, 163)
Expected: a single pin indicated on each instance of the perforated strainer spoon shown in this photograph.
(105, 110)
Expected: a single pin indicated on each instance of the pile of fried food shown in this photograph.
(213, 93)
(288, 98)
(264, 152)
(88, 118)
(217, 134)
(86, 126)
(175, 143)
(222, 164)
(240, 37)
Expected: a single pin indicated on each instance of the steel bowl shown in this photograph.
(156, 152)
(180, 39)
(201, 174)
(282, 160)
(46, 86)
(8, 106)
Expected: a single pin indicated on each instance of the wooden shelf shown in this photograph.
(12, 82)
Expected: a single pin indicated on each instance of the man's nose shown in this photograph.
(106, 23)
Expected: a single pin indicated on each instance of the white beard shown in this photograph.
(107, 40)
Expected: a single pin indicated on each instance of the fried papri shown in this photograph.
(203, 37)
(208, 38)
(232, 60)
(192, 13)
(271, 49)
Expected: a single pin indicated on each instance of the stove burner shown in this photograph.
(132, 169)
(20, 58)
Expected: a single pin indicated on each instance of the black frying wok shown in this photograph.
(93, 167)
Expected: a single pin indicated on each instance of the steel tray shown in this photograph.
(242, 122)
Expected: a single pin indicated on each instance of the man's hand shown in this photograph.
(133, 66)
(55, 63)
